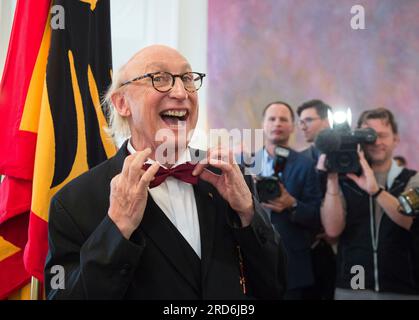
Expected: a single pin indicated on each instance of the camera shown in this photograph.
(409, 202)
(268, 187)
(340, 144)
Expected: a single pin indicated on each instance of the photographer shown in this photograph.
(295, 212)
(363, 211)
(313, 118)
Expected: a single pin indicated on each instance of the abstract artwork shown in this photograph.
(266, 50)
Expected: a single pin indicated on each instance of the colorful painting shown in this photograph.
(265, 50)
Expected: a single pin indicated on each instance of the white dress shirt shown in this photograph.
(177, 200)
(268, 162)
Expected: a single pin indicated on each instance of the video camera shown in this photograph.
(340, 144)
(268, 187)
(409, 202)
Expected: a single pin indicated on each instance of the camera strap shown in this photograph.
(401, 181)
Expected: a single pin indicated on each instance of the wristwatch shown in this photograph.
(376, 194)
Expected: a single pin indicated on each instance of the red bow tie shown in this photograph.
(182, 172)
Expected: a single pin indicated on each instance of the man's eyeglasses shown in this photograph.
(164, 81)
(307, 121)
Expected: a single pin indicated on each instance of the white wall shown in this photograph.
(7, 9)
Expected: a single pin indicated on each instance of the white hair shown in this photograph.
(118, 128)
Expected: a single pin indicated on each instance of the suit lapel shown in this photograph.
(117, 162)
(205, 203)
(160, 230)
(288, 167)
(207, 214)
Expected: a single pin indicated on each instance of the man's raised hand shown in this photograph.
(128, 197)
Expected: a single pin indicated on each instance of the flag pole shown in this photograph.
(34, 288)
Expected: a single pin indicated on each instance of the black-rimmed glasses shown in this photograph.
(164, 81)
(307, 121)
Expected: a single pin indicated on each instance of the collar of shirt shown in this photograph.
(387, 178)
(394, 172)
(183, 158)
(267, 167)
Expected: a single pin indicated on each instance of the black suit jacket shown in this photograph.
(312, 153)
(157, 262)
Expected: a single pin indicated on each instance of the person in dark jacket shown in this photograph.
(151, 223)
(376, 244)
(295, 213)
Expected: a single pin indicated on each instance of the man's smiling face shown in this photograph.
(148, 110)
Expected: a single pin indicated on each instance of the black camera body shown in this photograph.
(340, 145)
(268, 187)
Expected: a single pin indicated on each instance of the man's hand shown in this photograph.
(129, 193)
(281, 203)
(366, 181)
(321, 163)
(230, 184)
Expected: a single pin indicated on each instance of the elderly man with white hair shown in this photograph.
(153, 224)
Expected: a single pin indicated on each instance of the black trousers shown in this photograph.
(324, 269)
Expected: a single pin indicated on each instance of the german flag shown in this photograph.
(57, 68)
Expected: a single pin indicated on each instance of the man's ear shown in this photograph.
(121, 104)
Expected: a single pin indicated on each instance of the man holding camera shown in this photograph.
(295, 211)
(376, 249)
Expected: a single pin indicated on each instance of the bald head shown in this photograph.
(152, 58)
(148, 113)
